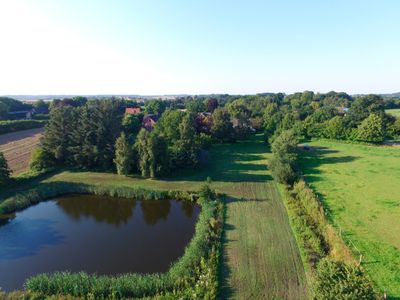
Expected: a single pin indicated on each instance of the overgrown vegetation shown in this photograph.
(284, 157)
(317, 239)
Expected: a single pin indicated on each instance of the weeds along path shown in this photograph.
(260, 256)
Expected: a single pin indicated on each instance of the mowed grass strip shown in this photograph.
(261, 258)
(359, 184)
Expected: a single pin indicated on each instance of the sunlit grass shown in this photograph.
(359, 184)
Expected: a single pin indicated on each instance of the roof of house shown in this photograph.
(151, 116)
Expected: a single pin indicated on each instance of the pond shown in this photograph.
(95, 234)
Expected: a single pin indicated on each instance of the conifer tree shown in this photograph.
(5, 171)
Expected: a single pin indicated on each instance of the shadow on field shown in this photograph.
(312, 159)
(243, 161)
(226, 290)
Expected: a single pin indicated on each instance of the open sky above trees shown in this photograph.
(195, 47)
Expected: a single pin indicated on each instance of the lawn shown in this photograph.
(359, 185)
(394, 112)
(261, 259)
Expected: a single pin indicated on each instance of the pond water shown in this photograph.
(102, 235)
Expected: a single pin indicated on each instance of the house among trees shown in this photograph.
(203, 122)
(149, 121)
(133, 110)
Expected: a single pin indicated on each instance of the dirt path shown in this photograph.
(17, 148)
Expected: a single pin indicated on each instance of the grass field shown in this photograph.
(394, 112)
(17, 148)
(359, 184)
(261, 259)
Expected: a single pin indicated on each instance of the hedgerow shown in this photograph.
(324, 254)
(17, 125)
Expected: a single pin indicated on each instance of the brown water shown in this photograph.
(102, 235)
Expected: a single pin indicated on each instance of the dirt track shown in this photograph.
(17, 148)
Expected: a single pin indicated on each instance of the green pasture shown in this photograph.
(360, 187)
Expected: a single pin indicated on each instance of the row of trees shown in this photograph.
(172, 145)
(96, 134)
(82, 136)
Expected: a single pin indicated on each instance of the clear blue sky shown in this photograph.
(167, 47)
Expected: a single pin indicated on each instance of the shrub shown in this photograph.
(284, 156)
(41, 160)
(371, 129)
(337, 280)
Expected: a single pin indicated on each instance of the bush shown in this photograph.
(41, 160)
(371, 129)
(337, 280)
(284, 156)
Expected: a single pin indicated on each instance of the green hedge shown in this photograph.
(192, 276)
(17, 125)
(324, 253)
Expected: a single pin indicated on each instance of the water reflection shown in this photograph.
(94, 234)
(187, 208)
(113, 211)
(37, 233)
(6, 219)
(155, 210)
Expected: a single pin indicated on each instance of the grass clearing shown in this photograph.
(359, 185)
(18, 146)
(261, 259)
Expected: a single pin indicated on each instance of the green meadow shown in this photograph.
(360, 187)
(260, 257)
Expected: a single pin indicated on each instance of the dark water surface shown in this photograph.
(102, 235)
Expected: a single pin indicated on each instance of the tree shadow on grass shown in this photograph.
(239, 162)
(226, 290)
(310, 161)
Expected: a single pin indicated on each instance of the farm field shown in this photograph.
(394, 112)
(261, 259)
(17, 148)
(359, 185)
